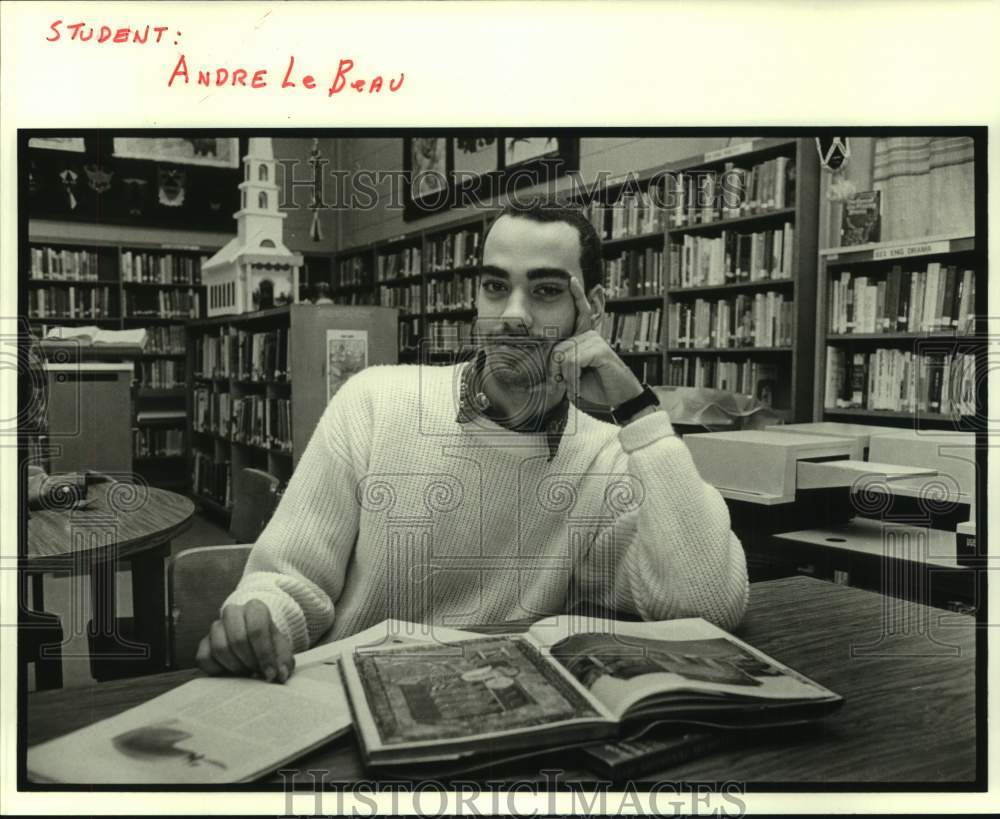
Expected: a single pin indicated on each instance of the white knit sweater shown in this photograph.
(396, 510)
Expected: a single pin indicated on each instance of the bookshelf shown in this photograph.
(740, 297)
(257, 385)
(710, 270)
(896, 339)
(428, 275)
(122, 283)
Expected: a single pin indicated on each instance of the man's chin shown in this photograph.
(515, 368)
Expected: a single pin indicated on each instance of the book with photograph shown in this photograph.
(427, 704)
(215, 730)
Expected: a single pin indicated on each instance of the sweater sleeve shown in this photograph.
(671, 552)
(298, 564)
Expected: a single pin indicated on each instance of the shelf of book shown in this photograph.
(901, 337)
(731, 351)
(624, 241)
(619, 301)
(258, 384)
(156, 273)
(897, 337)
(756, 202)
(745, 268)
(47, 322)
(731, 287)
(427, 274)
(76, 282)
(725, 223)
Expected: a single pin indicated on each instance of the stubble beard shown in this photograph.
(522, 375)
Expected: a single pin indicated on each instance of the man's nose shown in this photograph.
(516, 317)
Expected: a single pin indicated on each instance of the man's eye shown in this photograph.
(548, 290)
(494, 287)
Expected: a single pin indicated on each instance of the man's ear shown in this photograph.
(596, 297)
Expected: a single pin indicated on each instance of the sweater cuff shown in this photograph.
(287, 618)
(645, 431)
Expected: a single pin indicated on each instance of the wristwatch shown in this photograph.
(627, 410)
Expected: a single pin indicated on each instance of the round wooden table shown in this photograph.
(126, 523)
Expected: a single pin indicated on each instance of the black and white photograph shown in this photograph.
(655, 455)
(451, 482)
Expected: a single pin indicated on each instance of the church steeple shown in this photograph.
(258, 219)
(254, 270)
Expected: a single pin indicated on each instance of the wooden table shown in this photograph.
(909, 715)
(128, 523)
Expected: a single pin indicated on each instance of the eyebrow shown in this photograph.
(534, 273)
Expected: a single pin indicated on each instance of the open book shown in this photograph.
(91, 334)
(87, 336)
(425, 704)
(218, 729)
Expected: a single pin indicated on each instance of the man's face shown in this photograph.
(524, 303)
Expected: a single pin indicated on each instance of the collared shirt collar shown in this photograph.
(473, 403)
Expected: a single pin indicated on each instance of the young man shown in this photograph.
(479, 493)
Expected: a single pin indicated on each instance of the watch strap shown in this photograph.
(627, 410)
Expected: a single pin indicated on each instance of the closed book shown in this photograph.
(879, 308)
(903, 311)
(935, 374)
(633, 757)
(948, 302)
(790, 182)
(928, 305)
(891, 311)
(641, 343)
(939, 291)
(744, 257)
(831, 392)
(860, 219)
(847, 296)
(858, 380)
(860, 304)
(833, 306)
(916, 302)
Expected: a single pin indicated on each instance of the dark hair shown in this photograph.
(591, 260)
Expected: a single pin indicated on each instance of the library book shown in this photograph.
(564, 683)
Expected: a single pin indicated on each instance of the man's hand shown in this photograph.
(246, 641)
(587, 365)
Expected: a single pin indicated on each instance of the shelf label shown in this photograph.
(732, 150)
(911, 250)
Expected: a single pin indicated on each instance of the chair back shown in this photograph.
(255, 496)
(200, 579)
(198, 582)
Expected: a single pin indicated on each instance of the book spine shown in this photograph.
(947, 313)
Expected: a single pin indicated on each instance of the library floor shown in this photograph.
(59, 592)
